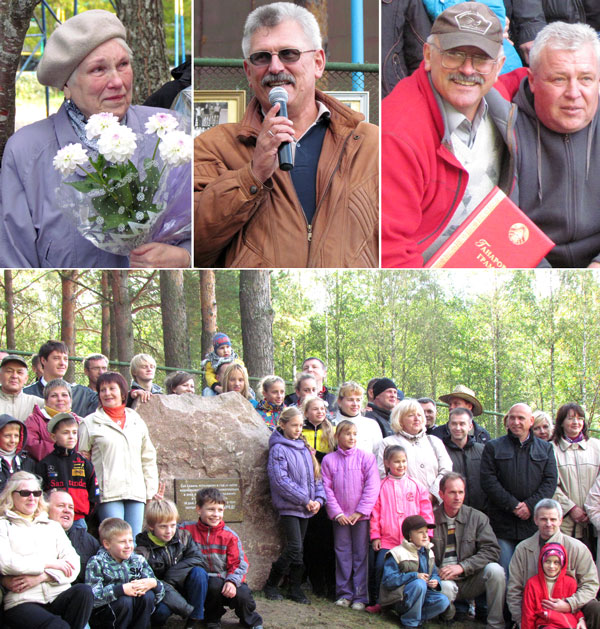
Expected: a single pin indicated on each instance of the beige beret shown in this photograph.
(73, 41)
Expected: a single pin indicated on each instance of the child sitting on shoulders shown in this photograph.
(551, 582)
(399, 496)
(410, 580)
(221, 349)
(223, 552)
(65, 468)
(271, 406)
(351, 482)
(124, 586)
(177, 561)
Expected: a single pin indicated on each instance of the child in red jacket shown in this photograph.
(551, 581)
(226, 563)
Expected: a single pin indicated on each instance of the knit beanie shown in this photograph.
(220, 339)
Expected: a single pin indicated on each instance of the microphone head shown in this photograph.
(278, 94)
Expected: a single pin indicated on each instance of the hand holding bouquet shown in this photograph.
(118, 202)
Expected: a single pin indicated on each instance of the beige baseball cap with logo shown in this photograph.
(469, 24)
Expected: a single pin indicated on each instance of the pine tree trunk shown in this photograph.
(257, 322)
(175, 331)
(122, 321)
(67, 324)
(105, 335)
(208, 305)
(16, 15)
(9, 310)
(143, 20)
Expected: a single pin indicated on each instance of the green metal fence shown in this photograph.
(228, 74)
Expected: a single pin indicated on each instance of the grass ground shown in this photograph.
(322, 613)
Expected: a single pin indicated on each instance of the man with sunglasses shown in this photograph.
(444, 133)
(322, 213)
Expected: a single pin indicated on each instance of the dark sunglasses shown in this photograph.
(25, 493)
(287, 55)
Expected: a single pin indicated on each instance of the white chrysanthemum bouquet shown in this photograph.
(120, 203)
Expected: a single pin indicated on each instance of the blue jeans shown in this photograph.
(129, 510)
(507, 549)
(194, 592)
(379, 561)
(420, 603)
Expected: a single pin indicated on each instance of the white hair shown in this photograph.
(273, 14)
(563, 36)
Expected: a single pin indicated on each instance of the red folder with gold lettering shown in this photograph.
(496, 235)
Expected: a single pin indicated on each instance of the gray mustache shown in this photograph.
(474, 78)
(275, 78)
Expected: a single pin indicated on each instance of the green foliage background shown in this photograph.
(510, 336)
(64, 10)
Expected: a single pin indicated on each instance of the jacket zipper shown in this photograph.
(309, 225)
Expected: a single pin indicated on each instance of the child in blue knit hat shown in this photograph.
(221, 349)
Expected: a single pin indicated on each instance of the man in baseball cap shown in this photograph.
(13, 377)
(443, 136)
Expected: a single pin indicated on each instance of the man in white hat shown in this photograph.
(463, 397)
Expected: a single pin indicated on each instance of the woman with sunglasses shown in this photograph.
(38, 562)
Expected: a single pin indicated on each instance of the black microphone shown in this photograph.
(279, 95)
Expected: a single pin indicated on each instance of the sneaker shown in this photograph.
(342, 602)
(359, 607)
(373, 609)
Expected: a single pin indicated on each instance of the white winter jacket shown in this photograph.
(26, 547)
(124, 460)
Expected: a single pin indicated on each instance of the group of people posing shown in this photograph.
(91, 453)
(438, 520)
(380, 507)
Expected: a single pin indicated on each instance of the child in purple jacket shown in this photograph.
(297, 494)
(351, 482)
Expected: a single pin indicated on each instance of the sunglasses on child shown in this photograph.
(287, 55)
(25, 493)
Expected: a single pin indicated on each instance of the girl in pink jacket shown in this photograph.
(351, 483)
(399, 497)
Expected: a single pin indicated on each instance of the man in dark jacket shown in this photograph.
(54, 358)
(62, 510)
(528, 17)
(385, 397)
(317, 369)
(466, 453)
(517, 471)
(559, 143)
(430, 410)
(404, 29)
(466, 551)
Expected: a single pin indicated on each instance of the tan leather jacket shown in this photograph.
(241, 223)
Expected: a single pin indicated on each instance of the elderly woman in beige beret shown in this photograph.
(88, 58)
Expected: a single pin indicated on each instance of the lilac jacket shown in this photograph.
(291, 476)
(33, 231)
(351, 482)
